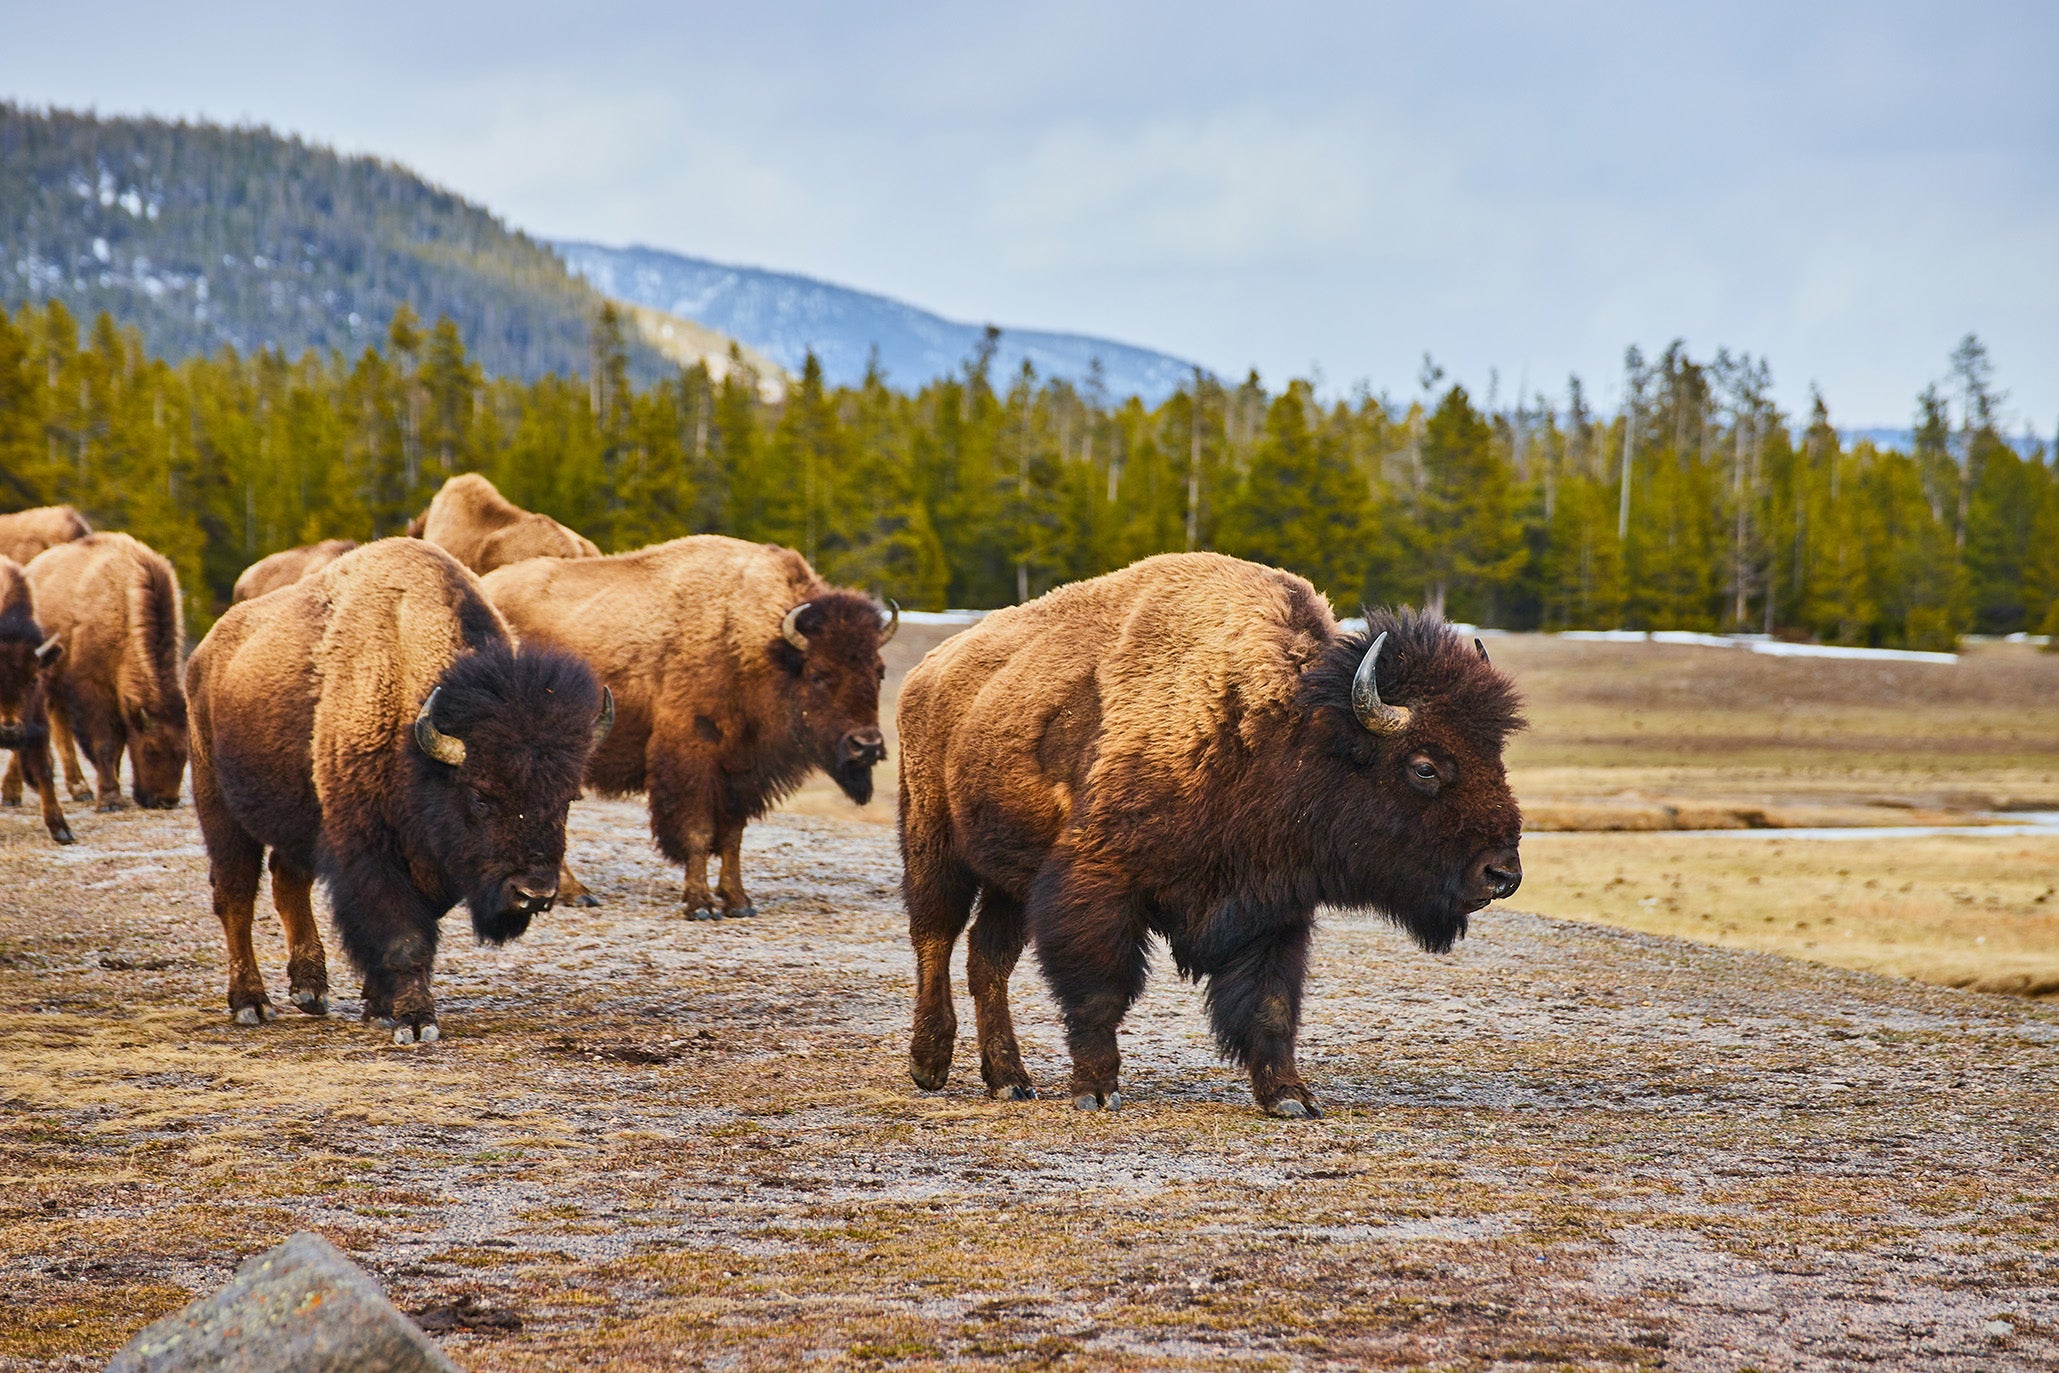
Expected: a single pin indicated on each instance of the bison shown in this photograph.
(375, 726)
(484, 530)
(27, 657)
(287, 567)
(735, 668)
(26, 533)
(114, 604)
(1188, 748)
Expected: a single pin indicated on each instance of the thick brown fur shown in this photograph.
(1171, 750)
(28, 658)
(304, 708)
(26, 533)
(484, 530)
(288, 566)
(718, 716)
(115, 604)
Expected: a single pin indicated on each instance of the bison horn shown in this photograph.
(604, 721)
(1483, 652)
(890, 623)
(442, 747)
(1376, 715)
(790, 627)
(47, 651)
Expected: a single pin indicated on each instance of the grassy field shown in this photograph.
(655, 1145)
(1574, 1143)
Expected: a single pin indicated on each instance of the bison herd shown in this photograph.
(1191, 748)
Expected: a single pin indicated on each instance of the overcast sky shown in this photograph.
(1842, 189)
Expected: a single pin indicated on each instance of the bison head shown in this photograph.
(829, 646)
(157, 752)
(501, 745)
(26, 658)
(1419, 821)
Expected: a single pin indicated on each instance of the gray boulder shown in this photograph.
(300, 1308)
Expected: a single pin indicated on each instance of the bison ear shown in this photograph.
(49, 651)
(1483, 652)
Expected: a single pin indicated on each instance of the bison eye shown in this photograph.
(476, 800)
(1424, 770)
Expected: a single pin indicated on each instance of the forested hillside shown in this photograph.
(981, 489)
(203, 237)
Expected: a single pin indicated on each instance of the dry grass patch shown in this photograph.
(1957, 911)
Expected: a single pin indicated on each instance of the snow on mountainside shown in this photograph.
(783, 316)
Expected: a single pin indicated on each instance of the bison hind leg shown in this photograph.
(997, 939)
(939, 892)
(307, 966)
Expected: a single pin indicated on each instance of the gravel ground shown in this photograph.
(652, 1143)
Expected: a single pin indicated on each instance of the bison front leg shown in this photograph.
(1090, 943)
(107, 770)
(1254, 1000)
(10, 785)
(683, 821)
(34, 762)
(389, 932)
(572, 891)
(234, 861)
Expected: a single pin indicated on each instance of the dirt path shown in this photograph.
(663, 1144)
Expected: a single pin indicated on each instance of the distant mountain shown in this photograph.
(783, 316)
(203, 236)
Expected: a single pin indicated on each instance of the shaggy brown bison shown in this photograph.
(1188, 748)
(27, 657)
(374, 726)
(483, 529)
(26, 533)
(735, 668)
(114, 604)
(288, 566)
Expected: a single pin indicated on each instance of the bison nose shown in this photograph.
(1500, 873)
(535, 890)
(863, 746)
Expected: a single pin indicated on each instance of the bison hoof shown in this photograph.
(249, 1015)
(1094, 1101)
(586, 900)
(314, 1003)
(929, 1079)
(703, 913)
(110, 807)
(408, 1034)
(1014, 1091)
(739, 912)
(10, 800)
(62, 834)
(1293, 1108)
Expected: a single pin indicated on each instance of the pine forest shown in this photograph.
(1697, 506)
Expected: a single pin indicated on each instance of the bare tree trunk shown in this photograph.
(1629, 456)
(1194, 468)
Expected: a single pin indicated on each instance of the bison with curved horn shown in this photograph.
(736, 670)
(375, 726)
(1188, 748)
